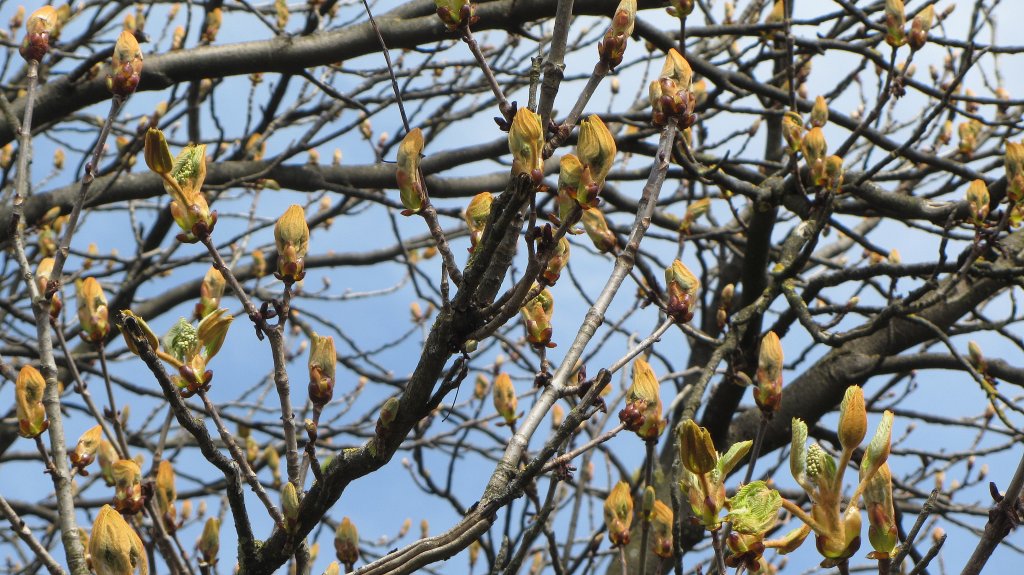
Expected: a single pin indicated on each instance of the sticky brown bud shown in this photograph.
(29, 401)
(126, 66)
(346, 543)
(819, 113)
(114, 546)
(292, 237)
(618, 514)
(322, 364)
(526, 143)
(920, 26)
(768, 393)
(157, 152)
(209, 541)
(504, 396)
(682, 291)
(978, 201)
(410, 186)
(696, 450)
(853, 418)
(41, 25)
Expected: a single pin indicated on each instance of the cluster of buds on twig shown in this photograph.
(642, 414)
(128, 496)
(456, 14)
(410, 184)
(346, 543)
(504, 397)
(322, 363)
(768, 392)
(190, 348)
(40, 26)
(682, 288)
(291, 234)
(85, 450)
(618, 514)
(92, 310)
(183, 180)
(671, 94)
(537, 315)
(526, 143)
(125, 66)
(613, 46)
(837, 527)
(210, 293)
(28, 399)
(115, 548)
(598, 231)
(704, 471)
(477, 213)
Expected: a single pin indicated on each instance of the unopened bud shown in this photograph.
(85, 450)
(346, 543)
(114, 546)
(92, 310)
(455, 13)
(895, 23)
(209, 541)
(696, 450)
(526, 143)
(819, 113)
(978, 201)
(477, 213)
(41, 25)
(292, 236)
(410, 186)
(127, 486)
(618, 514)
(28, 395)
(322, 364)
(290, 505)
(157, 153)
(682, 291)
(853, 418)
(920, 26)
(768, 393)
(504, 396)
(537, 314)
(792, 130)
(598, 231)
(126, 66)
